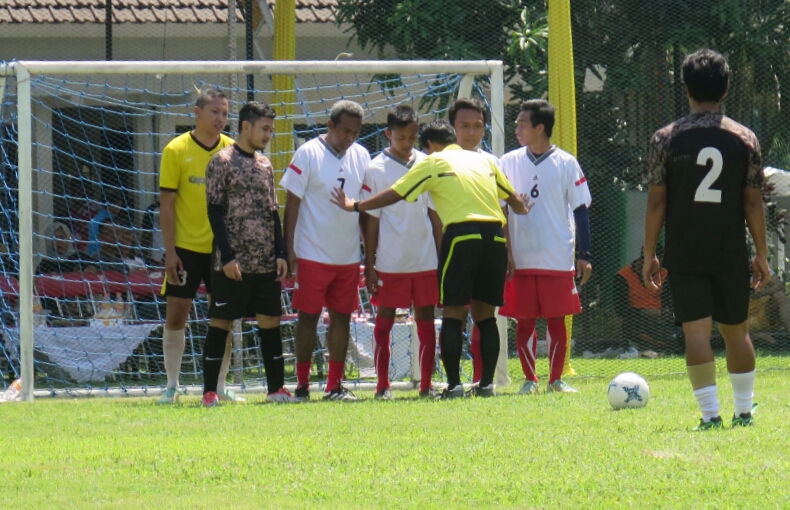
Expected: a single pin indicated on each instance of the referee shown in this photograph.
(466, 188)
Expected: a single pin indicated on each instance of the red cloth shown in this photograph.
(318, 285)
(535, 296)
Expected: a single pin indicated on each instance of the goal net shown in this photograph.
(81, 142)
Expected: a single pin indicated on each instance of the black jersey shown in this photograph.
(705, 160)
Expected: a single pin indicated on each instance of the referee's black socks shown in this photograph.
(272, 354)
(451, 339)
(213, 352)
(489, 349)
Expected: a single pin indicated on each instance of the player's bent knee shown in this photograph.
(308, 319)
(482, 311)
(221, 324)
(386, 312)
(424, 313)
(268, 321)
(177, 312)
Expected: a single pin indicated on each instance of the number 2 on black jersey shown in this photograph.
(704, 193)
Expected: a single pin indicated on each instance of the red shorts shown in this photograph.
(531, 295)
(400, 290)
(319, 285)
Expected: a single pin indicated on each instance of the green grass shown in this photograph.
(542, 451)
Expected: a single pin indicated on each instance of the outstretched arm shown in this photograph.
(519, 204)
(383, 199)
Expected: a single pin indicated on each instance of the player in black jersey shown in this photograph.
(705, 175)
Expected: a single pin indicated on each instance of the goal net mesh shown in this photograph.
(97, 143)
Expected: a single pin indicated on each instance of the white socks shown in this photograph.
(223, 369)
(743, 391)
(173, 346)
(708, 400)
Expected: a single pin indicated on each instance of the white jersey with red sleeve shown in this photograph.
(406, 242)
(324, 232)
(543, 240)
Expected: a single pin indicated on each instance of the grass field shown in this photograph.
(541, 451)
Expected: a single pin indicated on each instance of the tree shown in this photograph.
(511, 30)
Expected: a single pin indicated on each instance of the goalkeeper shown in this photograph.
(249, 259)
(466, 188)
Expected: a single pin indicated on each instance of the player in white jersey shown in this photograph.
(542, 243)
(469, 117)
(401, 244)
(323, 242)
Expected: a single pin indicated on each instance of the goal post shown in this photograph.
(140, 85)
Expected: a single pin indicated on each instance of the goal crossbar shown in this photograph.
(251, 67)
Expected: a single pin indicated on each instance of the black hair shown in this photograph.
(437, 131)
(255, 110)
(467, 103)
(401, 116)
(540, 112)
(208, 94)
(706, 75)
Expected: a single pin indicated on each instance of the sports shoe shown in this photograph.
(529, 388)
(282, 396)
(483, 391)
(714, 423)
(455, 392)
(430, 394)
(210, 399)
(302, 393)
(229, 396)
(384, 394)
(560, 386)
(340, 393)
(744, 419)
(170, 396)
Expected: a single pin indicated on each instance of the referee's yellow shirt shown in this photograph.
(464, 185)
(183, 170)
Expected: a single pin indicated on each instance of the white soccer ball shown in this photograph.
(628, 391)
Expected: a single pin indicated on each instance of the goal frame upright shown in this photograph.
(23, 71)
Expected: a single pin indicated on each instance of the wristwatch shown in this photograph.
(356, 205)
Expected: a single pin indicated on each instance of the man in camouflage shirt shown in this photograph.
(249, 258)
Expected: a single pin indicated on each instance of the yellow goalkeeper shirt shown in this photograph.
(464, 185)
(183, 170)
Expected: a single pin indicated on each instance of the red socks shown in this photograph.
(303, 373)
(382, 351)
(477, 356)
(558, 346)
(335, 377)
(527, 347)
(427, 335)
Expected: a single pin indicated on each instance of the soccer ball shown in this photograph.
(628, 390)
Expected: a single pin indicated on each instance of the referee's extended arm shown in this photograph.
(519, 205)
(383, 199)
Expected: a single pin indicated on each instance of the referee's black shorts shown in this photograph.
(723, 295)
(473, 264)
(255, 294)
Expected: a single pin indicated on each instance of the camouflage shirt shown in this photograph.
(243, 185)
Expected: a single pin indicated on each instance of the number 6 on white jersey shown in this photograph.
(704, 193)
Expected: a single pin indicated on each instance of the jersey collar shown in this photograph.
(338, 155)
(538, 160)
(407, 164)
(207, 149)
